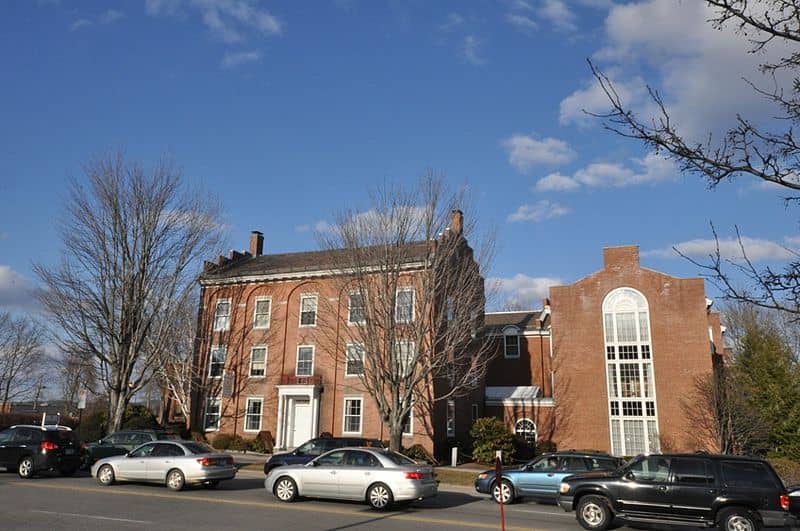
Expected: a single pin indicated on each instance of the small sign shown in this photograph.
(82, 398)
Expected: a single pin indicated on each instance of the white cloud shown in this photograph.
(591, 99)
(471, 51)
(653, 168)
(539, 211)
(523, 22)
(757, 250)
(234, 59)
(80, 23)
(110, 16)
(453, 21)
(524, 152)
(558, 14)
(522, 291)
(13, 288)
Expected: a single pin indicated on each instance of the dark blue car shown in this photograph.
(315, 447)
(540, 478)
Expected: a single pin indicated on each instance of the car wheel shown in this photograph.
(25, 467)
(504, 491)
(593, 513)
(285, 489)
(379, 496)
(211, 484)
(175, 480)
(736, 519)
(105, 476)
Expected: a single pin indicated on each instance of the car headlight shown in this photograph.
(483, 475)
(563, 488)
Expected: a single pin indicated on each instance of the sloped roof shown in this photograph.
(513, 393)
(527, 320)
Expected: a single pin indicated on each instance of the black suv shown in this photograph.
(734, 493)
(122, 442)
(311, 449)
(32, 449)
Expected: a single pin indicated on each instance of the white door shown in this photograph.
(300, 430)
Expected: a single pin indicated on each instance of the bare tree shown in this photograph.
(21, 357)
(416, 298)
(76, 373)
(769, 152)
(133, 242)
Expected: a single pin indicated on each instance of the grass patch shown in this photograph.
(449, 476)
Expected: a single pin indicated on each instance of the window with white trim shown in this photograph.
(356, 309)
(629, 373)
(305, 360)
(262, 312)
(404, 356)
(308, 310)
(352, 415)
(252, 417)
(525, 429)
(354, 360)
(408, 423)
(511, 342)
(212, 414)
(216, 363)
(222, 315)
(258, 362)
(404, 305)
(451, 418)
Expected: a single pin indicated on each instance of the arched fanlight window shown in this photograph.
(525, 429)
(629, 370)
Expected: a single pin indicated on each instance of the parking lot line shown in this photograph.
(265, 504)
(93, 517)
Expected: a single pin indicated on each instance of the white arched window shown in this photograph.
(525, 429)
(629, 370)
(511, 342)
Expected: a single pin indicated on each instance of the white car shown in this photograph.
(379, 477)
(172, 463)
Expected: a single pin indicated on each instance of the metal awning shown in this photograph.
(512, 394)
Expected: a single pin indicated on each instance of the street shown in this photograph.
(56, 503)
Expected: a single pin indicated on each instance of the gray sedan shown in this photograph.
(174, 463)
(377, 476)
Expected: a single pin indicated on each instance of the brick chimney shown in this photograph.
(256, 243)
(457, 221)
(623, 257)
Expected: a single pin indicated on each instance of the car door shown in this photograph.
(110, 445)
(163, 459)
(694, 488)
(24, 441)
(319, 477)
(645, 489)
(5, 448)
(356, 474)
(133, 466)
(533, 480)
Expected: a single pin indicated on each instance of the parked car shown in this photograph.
(315, 447)
(731, 492)
(122, 442)
(375, 475)
(173, 463)
(31, 449)
(539, 478)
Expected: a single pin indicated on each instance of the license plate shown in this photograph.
(69, 451)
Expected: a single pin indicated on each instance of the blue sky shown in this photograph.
(291, 111)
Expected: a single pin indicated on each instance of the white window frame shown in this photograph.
(519, 434)
(450, 418)
(211, 362)
(511, 331)
(227, 316)
(350, 307)
(411, 290)
(347, 399)
(315, 298)
(410, 432)
(347, 348)
(313, 360)
(247, 413)
(405, 363)
(266, 355)
(205, 413)
(256, 314)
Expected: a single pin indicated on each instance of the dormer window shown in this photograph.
(511, 342)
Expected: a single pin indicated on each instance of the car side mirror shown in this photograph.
(312, 464)
(629, 476)
(100, 442)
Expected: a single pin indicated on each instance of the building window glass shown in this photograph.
(630, 376)
(352, 415)
(408, 423)
(354, 360)
(511, 345)
(474, 412)
(216, 365)
(262, 313)
(308, 310)
(252, 418)
(222, 314)
(404, 354)
(305, 361)
(451, 418)
(258, 361)
(404, 305)
(356, 312)
(211, 421)
(525, 429)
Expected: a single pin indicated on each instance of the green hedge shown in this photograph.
(788, 470)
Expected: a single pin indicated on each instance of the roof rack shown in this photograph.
(57, 425)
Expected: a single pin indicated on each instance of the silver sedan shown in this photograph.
(173, 463)
(377, 476)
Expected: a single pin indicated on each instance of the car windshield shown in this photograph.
(198, 448)
(398, 459)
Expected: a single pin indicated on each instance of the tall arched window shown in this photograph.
(525, 429)
(630, 377)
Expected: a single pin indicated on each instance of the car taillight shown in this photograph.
(414, 475)
(784, 502)
(48, 445)
(204, 461)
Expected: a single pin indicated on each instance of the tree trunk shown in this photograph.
(396, 436)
